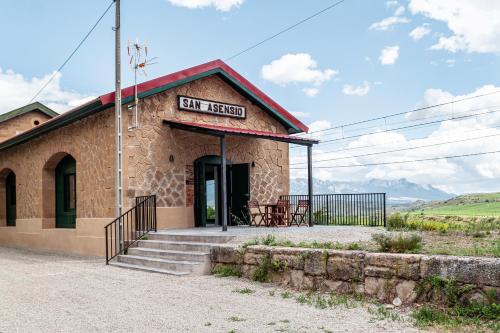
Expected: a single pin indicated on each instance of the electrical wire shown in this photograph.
(284, 30)
(400, 162)
(72, 53)
(405, 127)
(386, 143)
(405, 112)
(399, 150)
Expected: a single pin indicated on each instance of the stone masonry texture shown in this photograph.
(383, 276)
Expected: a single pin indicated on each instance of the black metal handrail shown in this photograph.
(345, 209)
(134, 224)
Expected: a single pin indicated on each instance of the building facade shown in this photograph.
(57, 179)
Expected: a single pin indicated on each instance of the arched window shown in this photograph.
(8, 198)
(65, 176)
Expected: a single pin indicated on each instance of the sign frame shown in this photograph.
(213, 113)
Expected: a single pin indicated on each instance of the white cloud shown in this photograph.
(419, 32)
(16, 91)
(467, 106)
(391, 3)
(389, 55)
(222, 5)
(400, 11)
(311, 92)
(388, 22)
(459, 175)
(357, 90)
(296, 68)
(474, 24)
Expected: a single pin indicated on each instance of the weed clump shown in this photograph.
(226, 271)
(398, 244)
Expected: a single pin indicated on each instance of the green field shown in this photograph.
(487, 204)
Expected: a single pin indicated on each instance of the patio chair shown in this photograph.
(257, 216)
(299, 216)
(280, 214)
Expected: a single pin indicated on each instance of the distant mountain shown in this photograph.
(398, 191)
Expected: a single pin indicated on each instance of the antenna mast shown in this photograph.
(138, 55)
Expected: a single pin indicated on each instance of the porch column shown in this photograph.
(310, 183)
(223, 182)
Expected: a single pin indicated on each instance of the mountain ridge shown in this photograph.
(398, 190)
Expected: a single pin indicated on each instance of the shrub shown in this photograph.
(261, 273)
(396, 221)
(398, 244)
(270, 240)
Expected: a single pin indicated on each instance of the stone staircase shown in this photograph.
(171, 253)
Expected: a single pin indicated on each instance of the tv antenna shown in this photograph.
(138, 55)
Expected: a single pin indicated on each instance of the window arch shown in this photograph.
(8, 198)
(59, 191)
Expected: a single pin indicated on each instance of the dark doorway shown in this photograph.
(66, 193)
(10, 195)
(208, 203)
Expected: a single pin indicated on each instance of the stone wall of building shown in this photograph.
(24, 122)
(91, 143)
(147, 150)
(383, 276)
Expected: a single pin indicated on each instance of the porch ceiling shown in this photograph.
(220, 131)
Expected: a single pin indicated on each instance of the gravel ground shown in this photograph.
(341, 234)
(56, 293)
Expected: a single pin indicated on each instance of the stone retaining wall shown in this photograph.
(385, 276)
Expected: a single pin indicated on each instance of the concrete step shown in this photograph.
(166, 236)
(147, 269)
(176, 246)
(169, 254)
(196, 268)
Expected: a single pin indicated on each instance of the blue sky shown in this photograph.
(337, 55)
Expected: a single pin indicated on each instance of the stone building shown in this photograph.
(57, 178)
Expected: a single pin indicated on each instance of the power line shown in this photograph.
(405, 112)
(285, 30)
(400, 162)
(401, 149)
(385, 143)
(405, 127)
(72, 53)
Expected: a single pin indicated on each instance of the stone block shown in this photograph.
(289, 258)
(470, 270)
(345, 265)
(405, 290)
(315, 262)
(389, 265)
(256, 255)
(382, 289)
(297, 278)
(226, 254)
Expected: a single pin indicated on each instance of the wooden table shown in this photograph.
(271, 220)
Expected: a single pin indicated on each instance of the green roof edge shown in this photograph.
(28, 108)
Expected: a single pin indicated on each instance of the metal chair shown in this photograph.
(255, 213)
(299, 216)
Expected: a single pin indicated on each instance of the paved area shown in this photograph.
(341, 234)
(55, 293)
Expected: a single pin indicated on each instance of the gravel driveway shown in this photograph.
(56, 293)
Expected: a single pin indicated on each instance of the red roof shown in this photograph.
(218, 130)
(204, 68)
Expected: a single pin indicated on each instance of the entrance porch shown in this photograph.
(232, 188)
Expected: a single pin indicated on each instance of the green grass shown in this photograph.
(244, 291)
(472, 209)
(475, 315)
(225, 271)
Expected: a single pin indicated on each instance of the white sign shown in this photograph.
(211, 107)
